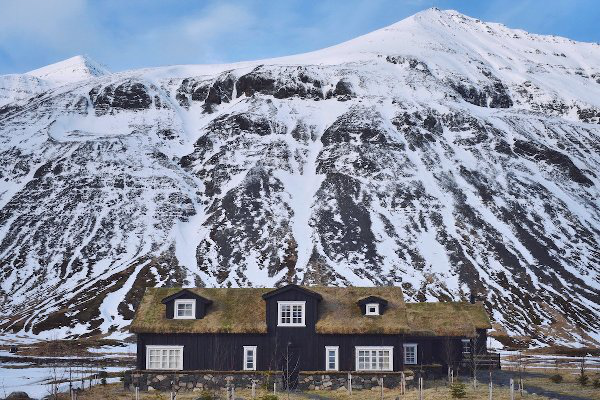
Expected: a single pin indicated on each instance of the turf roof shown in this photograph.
(242, 310)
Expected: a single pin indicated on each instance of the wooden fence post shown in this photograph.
(402, 383)
(274, 387)
(420, 388)
(381, 387)
(512, 389)
(253, 388)
(491, 396)
(349, 383)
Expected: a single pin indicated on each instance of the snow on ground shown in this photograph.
(35, 380)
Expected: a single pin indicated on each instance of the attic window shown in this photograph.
(185, 309)
(372, 309)
(291, 313)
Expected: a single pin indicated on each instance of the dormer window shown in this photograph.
(373, 305)
(185, 309)
(186, 304)
(291, 313)
(372, 309)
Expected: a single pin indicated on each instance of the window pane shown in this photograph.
(286, 312)
(410, 354)
(373, 359)
(297, 314)
(331, 356)
(185, 310)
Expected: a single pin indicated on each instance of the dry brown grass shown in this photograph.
(116, 392)
(339, 313)
(242, 310)
(447, 319)
(569, 385)
(233, 311)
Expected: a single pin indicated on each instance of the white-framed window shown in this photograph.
(291, 313)
(374, 358)
(185, 309)
(249, 358)
(164, 357)
(466, 346)
(332, 358)
(372, 309)
(410, 353)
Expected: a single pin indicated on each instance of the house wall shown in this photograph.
(224, 352)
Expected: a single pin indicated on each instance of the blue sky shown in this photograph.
(124, 34)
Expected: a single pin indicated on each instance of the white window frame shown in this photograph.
(416, 347)
(336, 349)
(280, 305)
(370, 305)
(357, 349)
(179, 366)
(184, 301)
(253, 349)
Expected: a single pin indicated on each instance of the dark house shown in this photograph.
(304, 328)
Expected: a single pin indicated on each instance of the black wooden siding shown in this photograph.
(224, 352)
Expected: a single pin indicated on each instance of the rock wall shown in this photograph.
(212, 380)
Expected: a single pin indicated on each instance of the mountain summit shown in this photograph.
(70, 70)
(442, 154)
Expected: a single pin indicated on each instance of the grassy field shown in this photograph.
(116, 392)
(569, 385)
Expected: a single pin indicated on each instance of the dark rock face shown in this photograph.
(540, 152)
(247, 218)
(221, 91)
(255, 82)
(294, 83)
(356, 123)
(126, 96)
(412, 63)
(192, 90)
(589, 115)
(343, 88)
(493, 96)
(345, 228)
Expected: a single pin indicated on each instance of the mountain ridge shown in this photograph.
(451, 157)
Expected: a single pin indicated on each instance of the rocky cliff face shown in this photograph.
(442, 154)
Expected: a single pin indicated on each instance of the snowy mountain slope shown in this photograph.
(17, 87)
(442, 153)
(72, 69)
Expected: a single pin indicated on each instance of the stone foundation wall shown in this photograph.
(198, 380)
(214, 380)
(360, 380)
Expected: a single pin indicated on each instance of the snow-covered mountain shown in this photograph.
(442, 153)
(17, 87)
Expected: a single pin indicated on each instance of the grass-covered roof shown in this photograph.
(242, 310)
